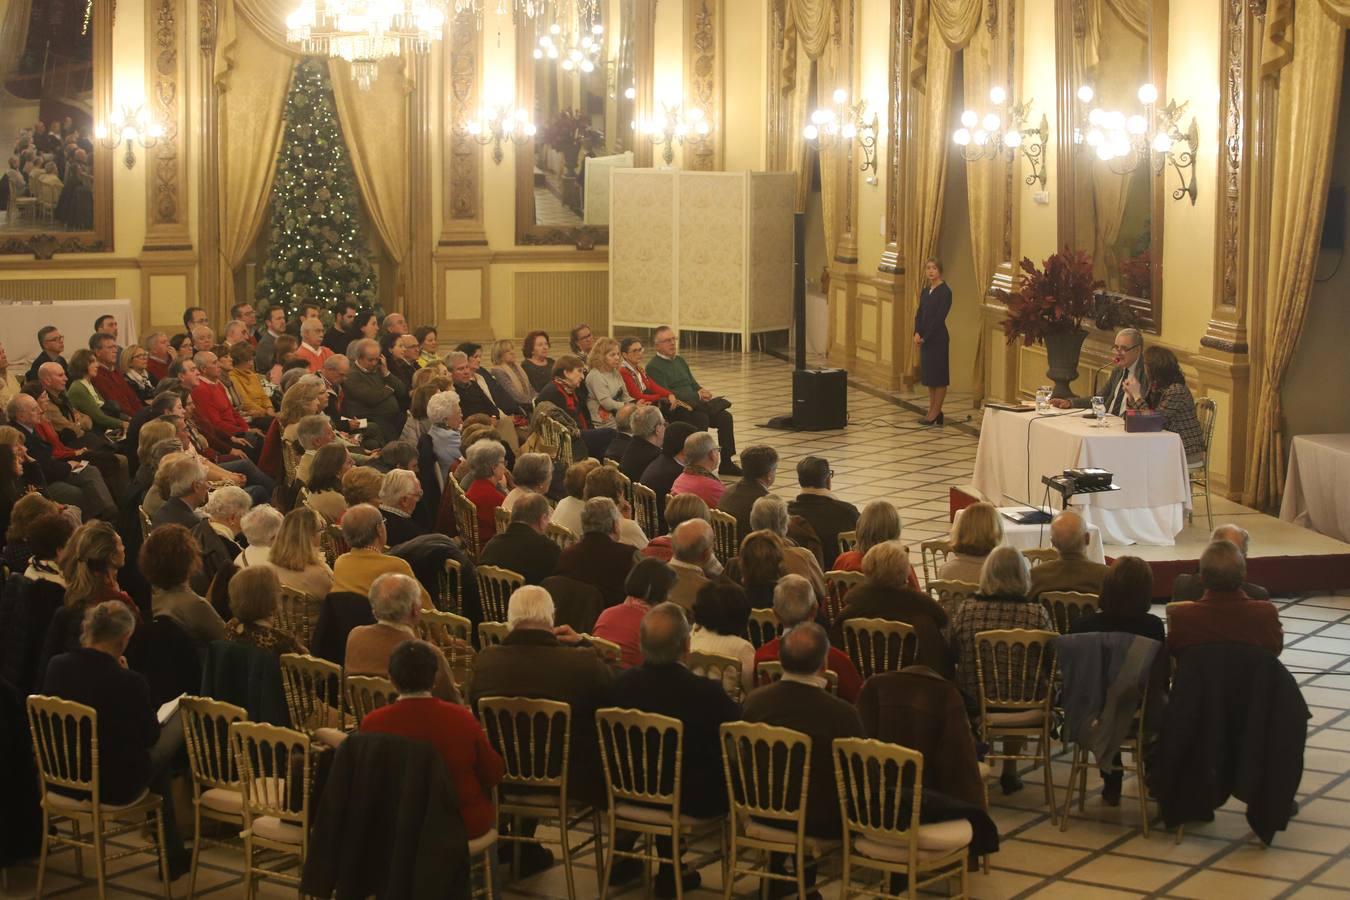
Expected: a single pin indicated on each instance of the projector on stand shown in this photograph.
(1080, 481)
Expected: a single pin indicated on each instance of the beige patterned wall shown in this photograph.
(712, 265)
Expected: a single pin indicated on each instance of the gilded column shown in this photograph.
(704, 75)
(462, 157)
(165, 77)
(208, 156)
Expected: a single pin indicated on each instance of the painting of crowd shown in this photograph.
(49, 178)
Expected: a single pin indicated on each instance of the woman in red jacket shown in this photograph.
(639, 383)
(482, 474)
(475, 768)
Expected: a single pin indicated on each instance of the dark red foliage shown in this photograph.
(1052, 300)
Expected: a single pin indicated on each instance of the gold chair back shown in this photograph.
(466, 521)
(610, 653)
(839, 582)
(763, 764)
(145, 522)
(297, 612)
(501, 518)
(450, 596)
(1038, 555)
(644, 509)
(366, 693)
(934, 554)
(313, 689)
(724, 534)
(1066, 606)
(762, 626)
(492, 633)
(289, 460)
(65, 744)
(554, 435)
(726, 670)
(275, 766)
(453, 634)
(331, 544)
(848, 540)
(640, 753)
(879, 645)
(495, 586)
(880, 786)
(531, 736)
(560, 535)
(1014, 668)
(951, 594)
(206, 731)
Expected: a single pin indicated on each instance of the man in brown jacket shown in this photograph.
(1224, 615)
(1073, 571)
(396, 601)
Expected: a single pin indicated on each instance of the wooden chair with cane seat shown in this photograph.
(217, 793)
(934, 554)
(561, 535)
(1066, 606)
(297, 612)
(492, 633)
(839, 582)
(1135, 744)
(65, 748)
(275, 767)
(848, 540)
(366, 693)
(879, 645)
(313, 690)
(642, 754)
(501, 519)
(625, 483)
(555, 435)
(762, 626)
(466, 521)
(450, 596)
(453, 635)
(725, 670)
(1206, 411)
(533, 738)
(1038, 555)
(1015, 669)
(644, 509)
(724, 526)
(146, 523)
(771, 670)
(951, 594)
(880, 792)
(495, 587)
(768, 772)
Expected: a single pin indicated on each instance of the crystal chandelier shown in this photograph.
(363, 32)
(575, 50)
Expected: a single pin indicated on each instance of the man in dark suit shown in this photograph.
(522, 547)
(760, 465)
(662, 471)
(84, 488)
(800, 702)
(649, 429)
(403, 359)
(535, 660)
(599, 558)
(339, 336)
(399, 496)
(663, 685)
(370, 392)
(274, 327)
(824, 512)
(1189, 587)
(188, 490)
(1127, 377)
(1073, 571)
(1224, 615)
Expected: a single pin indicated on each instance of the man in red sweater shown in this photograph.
(1224, 615)
(213, 401)
(107, 380)
(475, 768)
(794, 600)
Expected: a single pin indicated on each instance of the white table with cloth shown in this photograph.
(21, 319)
(1317, 487)
(1030, 537)
(1017, 448)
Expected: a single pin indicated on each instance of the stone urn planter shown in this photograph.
(1062, 350)
(1049, 307)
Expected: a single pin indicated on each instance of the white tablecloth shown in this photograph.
(21, 319)
(1317, 488)
(1029, 537)
(1016, 449)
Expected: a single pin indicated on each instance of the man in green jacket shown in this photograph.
(669, 370)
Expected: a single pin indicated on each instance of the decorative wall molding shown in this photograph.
(166, 176)
(704, 72)
(902, 35)
(462, 157)
(45, 246)
(208, 155)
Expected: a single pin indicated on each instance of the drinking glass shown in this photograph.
(1042, 399)
(1099, 410)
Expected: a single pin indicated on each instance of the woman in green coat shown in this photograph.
(85, 397)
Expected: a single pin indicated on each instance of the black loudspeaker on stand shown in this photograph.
(819, 396)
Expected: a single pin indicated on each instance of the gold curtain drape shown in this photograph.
(810, 23)
(14, 17)
(1304, 139)
(982, 180)
(1277, 49)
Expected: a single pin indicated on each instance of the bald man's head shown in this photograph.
(692, 542)
(1233, 534)
(1069, 533)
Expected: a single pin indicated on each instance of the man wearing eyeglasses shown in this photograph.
(671, 371)
(52, 343)
(1128, 378)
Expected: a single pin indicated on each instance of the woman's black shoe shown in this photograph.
(937, 421)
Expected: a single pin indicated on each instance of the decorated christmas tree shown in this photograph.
(317, 251)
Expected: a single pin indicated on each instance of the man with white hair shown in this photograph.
(671, 371)
(691, 550)
(213, 400)
(79, 484)
(523, 547)
(770, 513)
(395, 602)
(533, 474)
(218, 533)
(535, 661)
(599, 558)
(203, 338)
(311, 433)
(1128, 377)
(1224, 614)
(355, 570)
(259, 526)
(372, 393)
(399, 496)
(1190, 587)
(649, 430)
(701, 462)
(188, 490)
(311, 348)
(795, 603)
(1073, 571)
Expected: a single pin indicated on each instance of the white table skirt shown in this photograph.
(1016, 449)
(1317, 487)
(22, 319)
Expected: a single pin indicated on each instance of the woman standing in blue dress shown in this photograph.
(930, 337)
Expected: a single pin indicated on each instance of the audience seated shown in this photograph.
(89, 565)
(394, 600)
(475, 768)
(760, 466)
(259, 527)
(885, 594)
(508, 373)
(565, 391)
(662, 471)
(483, 477)
(698, 405)
(312, 433)
(647, 585)
(295, 555)
(878, 522)
(692, 546)
(568, 511)
(533, 474)
(826, 513)
(647, 428)
(720, 615)
(701, 460)
(354, 571)
(1000, 603)
(679, 510)
(218, 533)
(976, 531)
(372, 393)
(135, 751)
(1224, 614)
(168, 558)
(535, 361)
(398, 498)
(623, 433)
(606, 394)
(522, 547)
(31, 598)
(758, 567)
(794, 603)
(599, 557)
(255, 594)
(1073, 571)
(188, 489)
(1189, 587)
(324, 484)
(445, 418)
(771, 514)
(662, 685)
(606, 481)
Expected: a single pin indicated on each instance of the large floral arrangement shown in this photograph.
(1054, 299)
(570, 130)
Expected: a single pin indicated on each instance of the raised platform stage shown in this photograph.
(1285, 559)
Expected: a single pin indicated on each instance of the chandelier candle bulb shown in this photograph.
(997, 95)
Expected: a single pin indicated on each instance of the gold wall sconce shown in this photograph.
(500, 125)
(673, 125)
(842, 123)
(1155, 136)
(132, 126)
(993, 135)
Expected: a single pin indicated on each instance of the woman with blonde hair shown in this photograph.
(305, 398)
(132, 363)
(89, 564)
(606, 392)
(977, 530)
(152, 433)
(295, 555)
(878, 523)
(362, 484)
(507, 370)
